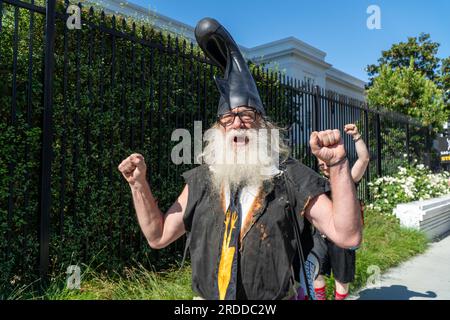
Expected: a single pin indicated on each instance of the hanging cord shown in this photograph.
(297, 233)
(186, 248)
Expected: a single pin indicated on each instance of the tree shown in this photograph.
(422, 51)
(444, 81)
(408, 91)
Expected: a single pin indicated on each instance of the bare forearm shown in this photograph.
(160, 230)
(149, 215)
(361, 150)
(361, 164)
(346, 219)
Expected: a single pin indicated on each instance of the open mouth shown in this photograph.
(240, 140)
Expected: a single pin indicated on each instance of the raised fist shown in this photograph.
(133, 169)
(351, 129)
(327, 146)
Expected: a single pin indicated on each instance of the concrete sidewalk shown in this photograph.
(423, 277)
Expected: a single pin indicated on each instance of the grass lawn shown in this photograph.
(134, 284)
(385, 245)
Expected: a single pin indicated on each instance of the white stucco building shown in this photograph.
(290, 55)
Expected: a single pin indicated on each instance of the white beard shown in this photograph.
(241, 163)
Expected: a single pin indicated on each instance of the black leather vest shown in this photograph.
(267, 250)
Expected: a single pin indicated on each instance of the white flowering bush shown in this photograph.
(410, 183)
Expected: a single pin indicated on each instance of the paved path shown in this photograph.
(423, 277)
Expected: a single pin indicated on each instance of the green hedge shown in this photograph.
(104, 109)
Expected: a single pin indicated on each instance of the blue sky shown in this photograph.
(336, 27)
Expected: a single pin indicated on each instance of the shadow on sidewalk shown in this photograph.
(395, 292)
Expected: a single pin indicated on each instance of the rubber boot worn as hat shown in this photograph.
(237, 88)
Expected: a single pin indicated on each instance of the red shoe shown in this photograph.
(338, 296)
(320, 293)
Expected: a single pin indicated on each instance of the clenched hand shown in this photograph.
(327, 146)
(134, 169)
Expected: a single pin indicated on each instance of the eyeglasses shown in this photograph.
(246, 116)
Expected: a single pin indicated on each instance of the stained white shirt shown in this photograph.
(246, 198)
(247, 195)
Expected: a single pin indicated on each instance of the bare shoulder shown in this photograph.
(180, 203)
(173, 226)
(317, 205)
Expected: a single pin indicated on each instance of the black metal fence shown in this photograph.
(74, 103)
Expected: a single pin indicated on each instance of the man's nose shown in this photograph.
(237, 123)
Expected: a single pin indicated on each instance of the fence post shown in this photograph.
(379, 146)
(316, 118)
(366, 140)
(316, 110)
(47, 133)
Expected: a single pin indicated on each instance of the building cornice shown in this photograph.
(345, 79)
(155, 19)
(287, 52)
(290, 42)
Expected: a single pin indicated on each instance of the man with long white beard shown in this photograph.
(236, 208)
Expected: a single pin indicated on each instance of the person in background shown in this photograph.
(332, 257)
